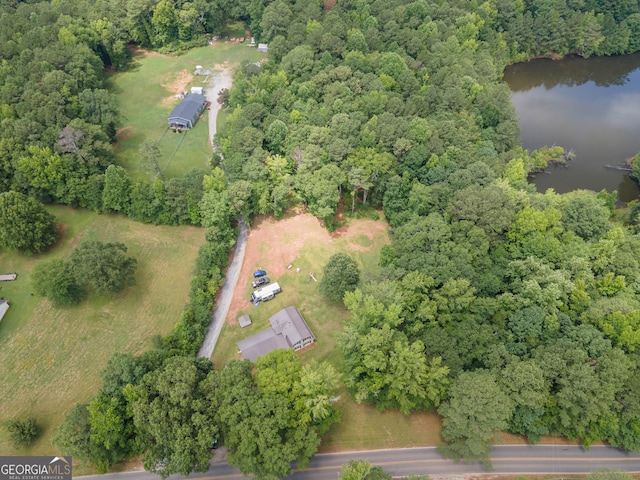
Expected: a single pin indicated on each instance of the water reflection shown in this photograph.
(572, 71)
(627, 189)
(590, 106)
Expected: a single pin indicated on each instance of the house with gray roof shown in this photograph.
(186, 113)
(288, 330)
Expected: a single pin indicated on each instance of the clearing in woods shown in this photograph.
(301, 241)
(146, 95)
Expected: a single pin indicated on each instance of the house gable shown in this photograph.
(288, 330)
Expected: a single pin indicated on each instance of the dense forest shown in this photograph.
(502, 308)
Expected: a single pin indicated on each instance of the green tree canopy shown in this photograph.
(74, 438)
(55, 280)
(477, 409)
(105, 267)
(265, 430)
(173, 419)
(26, 225)
(362, 470)
(585, 214)
(22, 433)
(117, 190)
(341, 275)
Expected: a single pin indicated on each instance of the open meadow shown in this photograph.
(146, 95)
(301, 241)
(51, 358)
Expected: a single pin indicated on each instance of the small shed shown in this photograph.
(4, 306)
(9, 277)
(263, 47)
(185, 115)
(244, 321)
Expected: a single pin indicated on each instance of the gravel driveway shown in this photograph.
(219, 81)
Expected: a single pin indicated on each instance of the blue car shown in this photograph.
(259, 273)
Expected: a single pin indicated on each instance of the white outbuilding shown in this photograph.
(4, 306)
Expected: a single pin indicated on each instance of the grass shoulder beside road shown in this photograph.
(146, 95)
(51, 358)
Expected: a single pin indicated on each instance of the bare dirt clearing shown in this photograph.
(273, 245)
(177, 85)
(124, 132)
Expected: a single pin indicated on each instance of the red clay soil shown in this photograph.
(285, 238)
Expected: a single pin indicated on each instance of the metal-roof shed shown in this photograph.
(244, 321)
(4, 306)
(185, 115)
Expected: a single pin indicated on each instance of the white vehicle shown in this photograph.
(265, 293)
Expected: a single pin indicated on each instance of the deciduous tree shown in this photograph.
(478, 408)
(22, 433)
(362, 470)
(105, 267)
(341, 275)
(260, 429)
(55, 280)
(173, 419)
(74, 438)
(26, 224)
(151, 154)
(116, 194)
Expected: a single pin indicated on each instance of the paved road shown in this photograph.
(226, 294)
(513, 459)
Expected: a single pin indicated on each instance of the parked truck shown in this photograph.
(265, 293)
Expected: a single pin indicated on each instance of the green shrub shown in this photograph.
(22, 433)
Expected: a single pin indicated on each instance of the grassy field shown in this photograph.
(146, 96)
(51, 358)
(362, 426)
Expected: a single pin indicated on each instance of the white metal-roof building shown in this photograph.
(4, 306)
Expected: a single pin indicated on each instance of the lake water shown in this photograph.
(590, 106)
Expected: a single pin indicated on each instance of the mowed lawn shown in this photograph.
(146, 96)
(362, 426)
(50, 358)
